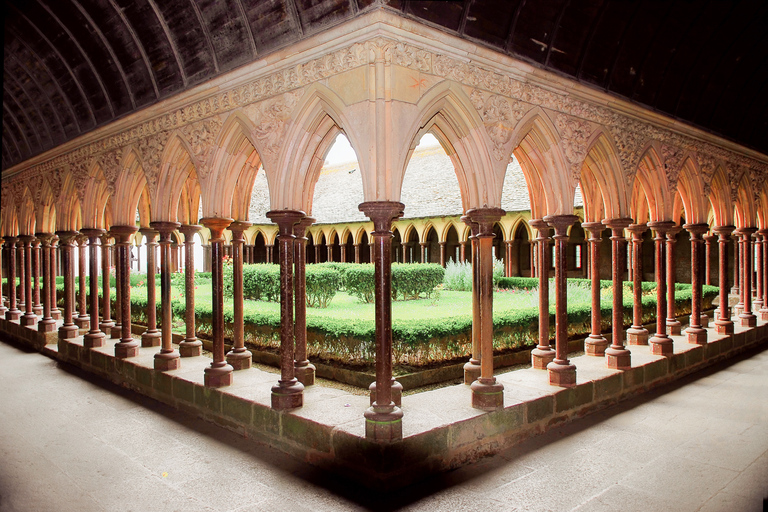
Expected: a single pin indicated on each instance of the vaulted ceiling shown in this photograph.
(73, 65)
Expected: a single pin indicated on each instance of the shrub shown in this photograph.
(261, 281)
(458, 276)
(322, 283)
(410, 280)
(359, 281)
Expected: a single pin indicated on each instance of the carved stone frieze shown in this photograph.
(499, 117)
(672, 157)
(271, 117)
(111, 164)
(151, 151)
(574, 135)
(201, 137)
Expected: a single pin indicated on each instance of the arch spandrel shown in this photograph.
(45, 211)
(762, 207)
(26, 213)
(96, 196)
(68, 206)
(745, 207)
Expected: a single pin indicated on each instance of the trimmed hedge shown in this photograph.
(410, 280)
(322, 283)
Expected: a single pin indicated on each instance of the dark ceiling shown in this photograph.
(73, 65)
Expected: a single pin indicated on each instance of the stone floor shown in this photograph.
(71, 442)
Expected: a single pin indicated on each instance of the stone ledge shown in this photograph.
(441, 430)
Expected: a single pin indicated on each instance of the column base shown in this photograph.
(703, 320)
(68, 331)
(28, 319)
(151, 338)
(618, 358)
(595, 345)
(12, 314)
(541, 357)
(126, 349)
(637, 336)
(696, 335)
(240, 360)
(397, 392)
(563, 375)
(83, 323)
(757, 305)
(218, 376)
(724, 327)
(384, 424)
(471, 371)
(305, 374)
(167, 361)
(738, 309)
(487, 394)
(763, 315)
(747, 320)
(93, 339)
(661, 346)
(191, 348)
(116, 332)
(674, 328)
(37, 310)
(288, 395)
(46, 325)
(106, 327)
(56, 314)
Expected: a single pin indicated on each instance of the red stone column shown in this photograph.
(757, 304)
(463, 251)
(116, 331)
(94, 337)
(661, 343)
(637, 334)
(561, 371)
(289, 392)
(442, 253)
(127, 346)
(37, 306)
(47, 324)
(303, 369)
(735, 289)
(508, 250)
(423, 252)
(13, 312)
(107, 323)
(723, 324)
(168, 358)
(617, 356)
(405, 251)
(152, 336)
(674, 326)
(239, 357)
(68, 329)
(343, 248)
(29, 317)
(3, 309)
(317, 253)
(357, 252)
(695, 333)
(747, 318)
(763, 245)
(219, 373)
(20, 258)
(329, 250)
(543, 354)
(472, 368)
(708, 239)
(596, 343)
(82, 320)
(487, 393)
(54, 252)
(190, 346)
(384, 419)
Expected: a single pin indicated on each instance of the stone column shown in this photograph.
(127, 346)
(674, 326)
(757, 305)
(736, 265)
(661, 343)
(288, 393)
(695, 333)
(617, 356)
(561, 371)
(384, 419)
(239, 357)
(116, 331)
(317, 253)
(29, 317)
(54, 254)
(487, 393)
(463, 251)
(303, 369)
(37, 306)
(637, 334)
(13, 312)
(423, 246)
(357, 252)
(47, 324)
(68, 329)
(747, 318)
(151, 337)
(442, 253)
(343, 248)
(543, 354)
(708, 239)
(3, 309)
(219, 372)
(596, 343)
(20, 258)
(107, 323)
(329, 249)
(508, 248)
(763, 245)
(190, 346)
(405, 252)
(82, 320)
(472, 367)
(723, 323)
(168, 358)
(94, 337)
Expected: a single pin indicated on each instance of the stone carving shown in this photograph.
(574, 134)
(272, 117)
(151, 151)
(111, 163)
(202, 140)
(499, 117)
(410, 57)
(672, 157)
(707, 166)
(54, 180)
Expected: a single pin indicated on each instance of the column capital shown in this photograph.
(300, 229)
(285, 220)
(561, 223)
(637, 230)
(485, 218)
(216, 225)
(618, 223)
(696, 230)
(594, 228)
(763, 232)
(26, 239)
(45, 238)
(237, 228)
(661, 227)
(189, 230)
(10, 240)
(382, 213)
(165, 229)
(709, 237)
(123, 234)
(723, 231)
(473, 227)
(747, 231)
(92, 232)
(66, 237)
(81, 238)
(150, 234)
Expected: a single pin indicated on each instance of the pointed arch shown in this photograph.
(720, 198)
(68, 206)
(45, 211)
(27, 214)
(241, 201)
(176, 168)
(746, 215)
(651, 181)
(129, 187)
(603, 173)
(96, 196)
(691, 191)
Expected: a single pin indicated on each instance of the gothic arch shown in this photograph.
(176, 168)
(96, 196)
(26, 213)
(652, 181)
(691, 192)
(602, 170)
(720, 198)
(68, 206)
(745, 203)
(129, 187)
(45, 213)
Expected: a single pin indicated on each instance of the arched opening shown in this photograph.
(349, 249)
(452, 246)
(259, 248)
(365, 249)
(576, 253)
(499, 252)
(397, 246)
(521, 252)
(432, 247)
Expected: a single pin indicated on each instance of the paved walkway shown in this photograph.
(72, 443)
